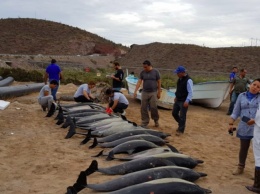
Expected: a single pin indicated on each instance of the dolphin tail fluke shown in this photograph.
(67, 122)
(199, 161)
(94, 143)
(202, 174)
(135, 124)
(172, 148)
(71, 132)
(87, 138)
(60, 120)
(79, 185)
(110, 156)
(99, 154)
(207, 191)
(93, 167)
(123, 117)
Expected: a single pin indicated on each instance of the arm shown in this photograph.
(115, 104)
(190, 93)
(46, 93)
(137, 87)
(61, 76)
(159, 88)
(46, 77)
(86, 94)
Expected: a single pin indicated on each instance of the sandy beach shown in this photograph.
(36, 158)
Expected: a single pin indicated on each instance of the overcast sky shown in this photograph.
(212, 23)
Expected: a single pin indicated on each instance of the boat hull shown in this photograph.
(209, 94)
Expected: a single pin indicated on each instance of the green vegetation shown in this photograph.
(98, 75)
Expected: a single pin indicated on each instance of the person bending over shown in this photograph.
(83, 93)
(117, 101)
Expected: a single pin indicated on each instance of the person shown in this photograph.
(256, 149)
(237, 86)
(232, 75)
(245, 107)
(117, 77)
(83, 93)
(53, 72)
(183, 97)
(132, 74)
(45, 98)
(151, 91)
(117, 101)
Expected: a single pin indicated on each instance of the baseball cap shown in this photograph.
(179, 69)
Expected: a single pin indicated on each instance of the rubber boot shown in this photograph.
(239, 170)
(256, 187)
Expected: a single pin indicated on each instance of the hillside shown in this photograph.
(194, 58)
(34, 36)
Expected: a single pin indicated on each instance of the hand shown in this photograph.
(251, 122)
(135, 95)
(185, 104)
(159, 95)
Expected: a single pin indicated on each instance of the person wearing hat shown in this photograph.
(53, 72)
(151, 92)
(183, 98)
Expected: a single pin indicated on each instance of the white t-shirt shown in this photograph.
(81, 88)
(44, 88)
(120, 97)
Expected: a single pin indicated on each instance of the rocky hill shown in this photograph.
(195, 58)
(34, 36)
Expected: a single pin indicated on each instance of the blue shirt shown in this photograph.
(245, 107)
(54, 72)
(232, 76)
(189, 89)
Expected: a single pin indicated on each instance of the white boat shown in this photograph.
(209, 94)
(167, 97)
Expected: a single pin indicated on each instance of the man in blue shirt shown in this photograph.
(232, 75)
(53, 72)
(183, 97)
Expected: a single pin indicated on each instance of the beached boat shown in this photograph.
(209, 94)
(167, 97)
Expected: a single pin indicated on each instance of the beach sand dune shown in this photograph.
(35, 157)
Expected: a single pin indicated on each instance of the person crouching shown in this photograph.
(45, 98)
(83, 93)
(117, 102)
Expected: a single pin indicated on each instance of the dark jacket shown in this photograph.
(182, 92)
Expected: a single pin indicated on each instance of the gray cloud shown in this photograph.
(211, 23)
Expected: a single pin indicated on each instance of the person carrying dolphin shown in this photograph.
(117, 102)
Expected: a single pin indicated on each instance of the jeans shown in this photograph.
(232, 102)
(179, 114)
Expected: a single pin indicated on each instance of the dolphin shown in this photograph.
(151, 138)
(129, 147)
(163, 185)
(130, 166)
(145, 153)
(145, 176)
(120, 135)
(179, 159)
